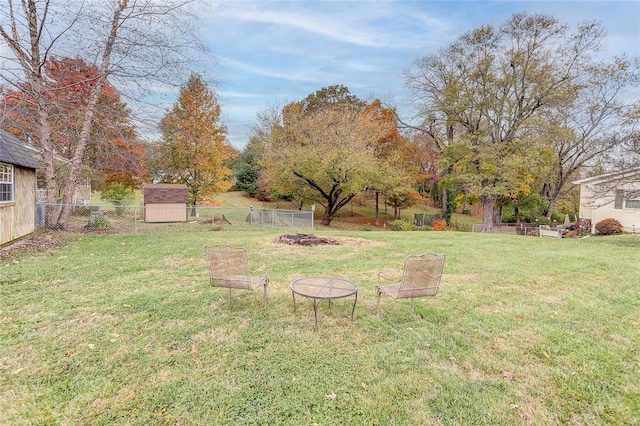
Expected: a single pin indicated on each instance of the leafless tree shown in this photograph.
(592, 127)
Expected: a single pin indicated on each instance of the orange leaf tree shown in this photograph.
(114, 154)
(194, 148)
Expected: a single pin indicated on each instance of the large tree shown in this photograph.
(128, 41)
(322, 149)
(114, 154)
(393, 155)
(194, 149)
(591, 127)
(484, 90)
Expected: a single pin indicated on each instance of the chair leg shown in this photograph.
(378, 309)
(229, 295)
(412, 310)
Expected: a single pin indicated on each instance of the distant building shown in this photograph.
(18, 166)
(612, 195)
(165, 202)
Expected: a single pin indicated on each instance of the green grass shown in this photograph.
(125, 329)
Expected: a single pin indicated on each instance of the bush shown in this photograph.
(97, 221)
(399, 225)
(84, 210)
(584, 225)
(544, 221)
(462, 227)
(439, 224)
(608, 226)
(572, 234)
(558, 217)
(117, 194)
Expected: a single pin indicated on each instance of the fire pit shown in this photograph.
(306, 240)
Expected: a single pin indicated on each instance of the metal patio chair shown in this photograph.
(229, 268)
(420, 278)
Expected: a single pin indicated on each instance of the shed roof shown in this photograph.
(12, 151)
(165, 193)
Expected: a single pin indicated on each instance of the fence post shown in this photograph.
(250, 215)
(313, 209)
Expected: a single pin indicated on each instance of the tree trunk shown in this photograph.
(334, 204)
(85, 133)
(51, 210)
(488, 204)
(445, 202)
(326, 218)
(552, 202)
(377, 209)
(497, 215)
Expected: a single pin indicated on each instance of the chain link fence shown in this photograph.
(510, 228)
(138, 220)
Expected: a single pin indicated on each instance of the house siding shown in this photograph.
(597, 206)
(17, 218)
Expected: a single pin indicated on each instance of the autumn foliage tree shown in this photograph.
(114, 155)
(485, 91)
(322, 149)
(392, 155)
(128, 41)
(194, 149)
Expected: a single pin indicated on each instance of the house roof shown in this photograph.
(608, 177)
(12, 151)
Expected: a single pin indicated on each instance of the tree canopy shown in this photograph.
(114, 154)
(194, 149)
(482, 96)
(323, 149)
(127, 41)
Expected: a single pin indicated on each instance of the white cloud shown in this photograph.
(358, 23)
(309, 74)
(241, 95)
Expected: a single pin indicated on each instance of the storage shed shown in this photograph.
(18, 166)
(165, 202)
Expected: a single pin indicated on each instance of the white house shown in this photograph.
(612, 195)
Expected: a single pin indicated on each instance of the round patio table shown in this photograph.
(323, 288)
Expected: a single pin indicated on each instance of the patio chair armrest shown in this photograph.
(385, 276)
(263, 268)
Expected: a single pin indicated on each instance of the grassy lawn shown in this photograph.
(125, 329)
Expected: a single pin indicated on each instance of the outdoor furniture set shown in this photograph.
(229, 268)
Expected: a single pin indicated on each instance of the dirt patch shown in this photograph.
(306, 240)
(29, 244)
(216, 221)
(312, 240)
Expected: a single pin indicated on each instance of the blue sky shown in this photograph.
(274, 52)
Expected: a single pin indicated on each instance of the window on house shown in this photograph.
(619, 199)
(6, 183)
(633, 200)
